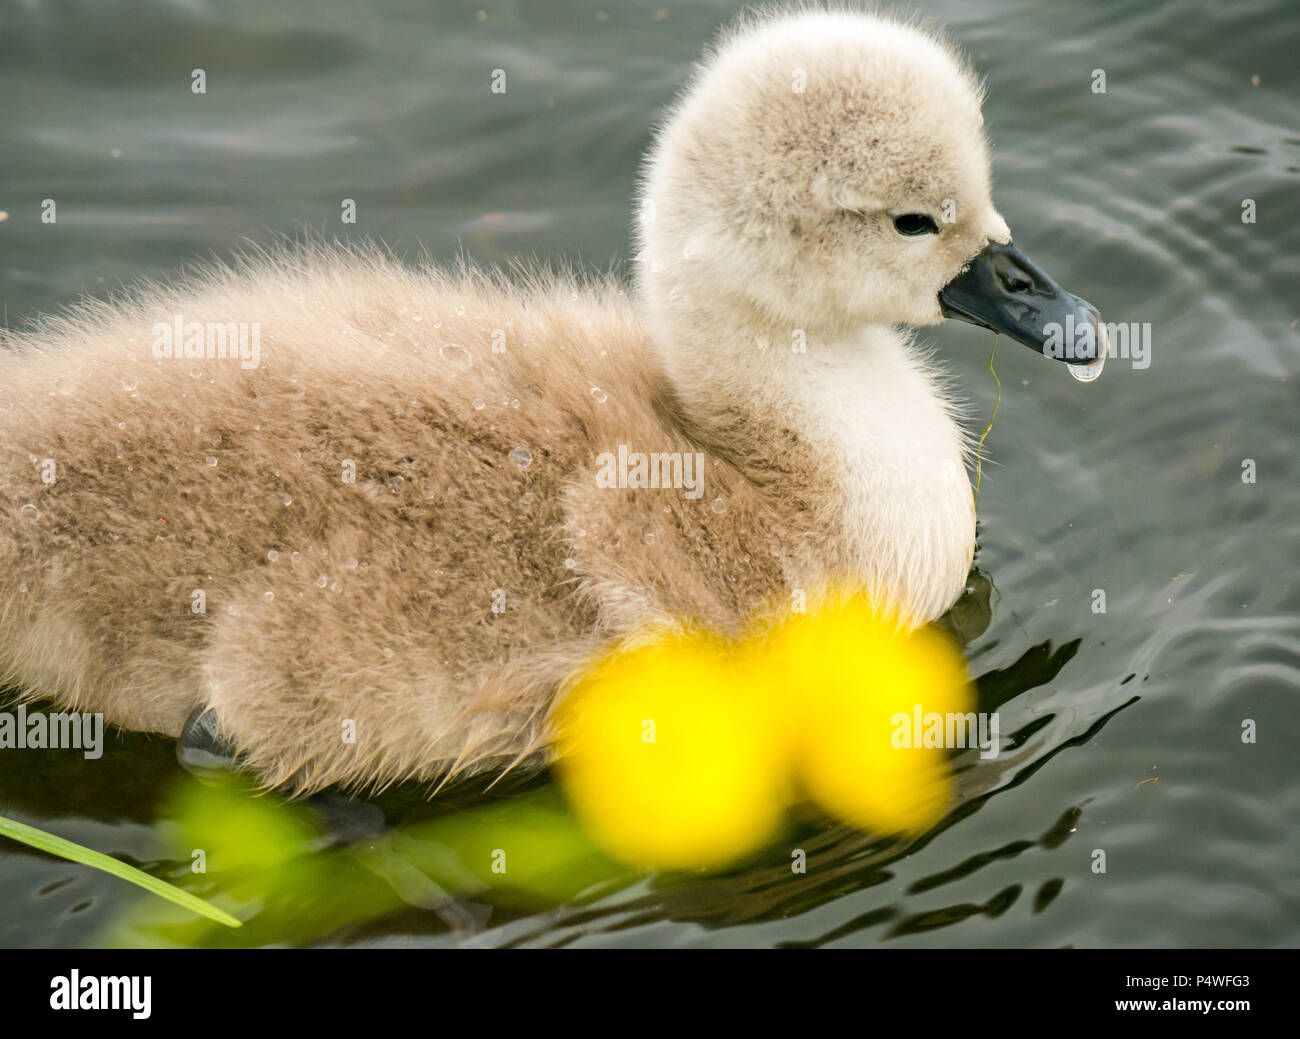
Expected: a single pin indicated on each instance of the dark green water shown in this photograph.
(1132, 198)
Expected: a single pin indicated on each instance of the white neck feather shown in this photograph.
(881, 428)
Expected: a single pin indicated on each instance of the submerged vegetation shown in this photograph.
(282, 867)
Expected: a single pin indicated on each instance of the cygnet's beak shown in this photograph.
(1004, 290)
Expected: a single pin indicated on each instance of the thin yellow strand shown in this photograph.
(979, 447)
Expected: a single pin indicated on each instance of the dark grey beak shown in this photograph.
(1004, 290)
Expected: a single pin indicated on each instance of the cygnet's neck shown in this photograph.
(855, 414)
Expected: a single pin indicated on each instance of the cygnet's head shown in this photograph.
(827, 170)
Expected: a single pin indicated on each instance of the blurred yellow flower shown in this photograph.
(857, 681)
(686, 752)
(671, 756)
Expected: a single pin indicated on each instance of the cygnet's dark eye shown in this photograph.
(913, 224)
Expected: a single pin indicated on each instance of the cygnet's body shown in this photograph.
(381, 552)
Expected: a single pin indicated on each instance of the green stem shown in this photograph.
(979, 448)
(76, 853)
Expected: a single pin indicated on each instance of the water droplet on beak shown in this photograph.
(1091, 371)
